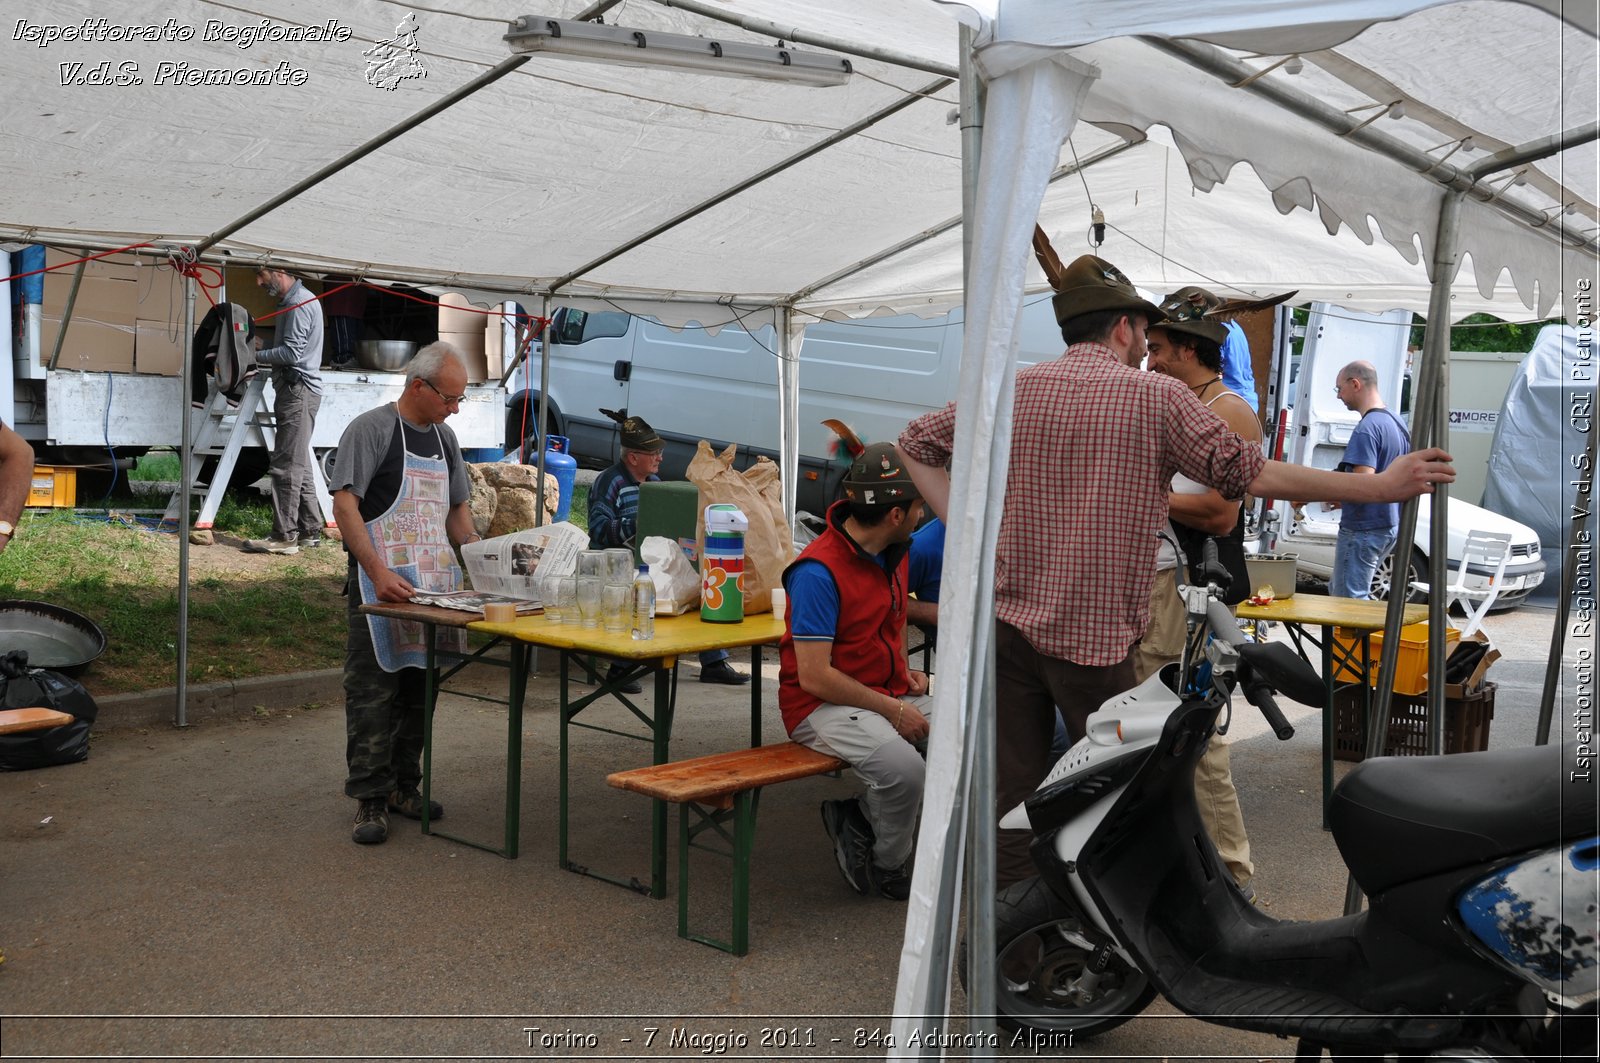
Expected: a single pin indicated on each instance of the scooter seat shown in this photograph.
(1399, 819)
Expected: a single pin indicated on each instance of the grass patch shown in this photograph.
(156, 465)
(276, 619)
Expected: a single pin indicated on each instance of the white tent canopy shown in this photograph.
(556, 165)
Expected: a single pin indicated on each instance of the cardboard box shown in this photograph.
(456, 314)
(1475, 681)
(470, 344)
(91, 346)
(99, 299)
(156, 349)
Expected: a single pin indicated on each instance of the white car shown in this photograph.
(1312, 538)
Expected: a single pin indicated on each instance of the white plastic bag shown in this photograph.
(677, 583)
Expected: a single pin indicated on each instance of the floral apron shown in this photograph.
(411, 539)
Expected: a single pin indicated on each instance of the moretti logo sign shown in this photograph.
(1473, 420)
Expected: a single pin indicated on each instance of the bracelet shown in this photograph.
(899, 716)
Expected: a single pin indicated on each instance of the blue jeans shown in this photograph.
(1356, 554)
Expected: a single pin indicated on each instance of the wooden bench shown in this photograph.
(720, 788)
(16, 721)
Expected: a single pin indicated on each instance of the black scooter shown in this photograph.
(1479, 940)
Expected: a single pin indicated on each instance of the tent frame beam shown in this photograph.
(816, 40)
(913, 97)
(1225, 68)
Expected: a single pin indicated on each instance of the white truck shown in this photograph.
(874, 374)
(1319, 426)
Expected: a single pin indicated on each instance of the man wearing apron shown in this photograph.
(400, 499)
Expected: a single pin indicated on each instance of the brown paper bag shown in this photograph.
(758, 492)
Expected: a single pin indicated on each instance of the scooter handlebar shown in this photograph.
(1259, 694)
(1224, 628)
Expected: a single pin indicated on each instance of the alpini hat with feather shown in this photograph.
(1090, 283)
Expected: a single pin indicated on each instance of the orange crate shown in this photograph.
(1466, 724)
(1411, 668)
(53, 487)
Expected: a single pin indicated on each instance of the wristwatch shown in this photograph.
(8, 529)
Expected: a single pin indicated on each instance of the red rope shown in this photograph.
(74, 262)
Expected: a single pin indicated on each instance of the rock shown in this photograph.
(202, 537)
(513, 512)
(482, 501)
(505, 474)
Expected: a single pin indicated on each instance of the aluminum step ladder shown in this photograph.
(220, 431)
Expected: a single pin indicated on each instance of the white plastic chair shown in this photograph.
(1485, 550)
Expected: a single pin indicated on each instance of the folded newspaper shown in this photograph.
(510, 568)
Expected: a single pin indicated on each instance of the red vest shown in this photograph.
(869, 642)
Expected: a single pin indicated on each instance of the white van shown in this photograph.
(874, 375)
(1320, 427)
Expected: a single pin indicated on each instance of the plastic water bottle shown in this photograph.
(644, 605)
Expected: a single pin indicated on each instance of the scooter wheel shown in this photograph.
(1042, 978)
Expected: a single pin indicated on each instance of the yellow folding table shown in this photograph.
(1363, 617)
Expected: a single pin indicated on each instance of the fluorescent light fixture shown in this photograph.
(594, 42)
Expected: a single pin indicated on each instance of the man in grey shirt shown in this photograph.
(296, 362)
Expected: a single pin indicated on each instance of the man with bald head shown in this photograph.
(1366, 529)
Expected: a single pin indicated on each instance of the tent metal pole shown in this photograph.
(1581, 511)
(488, 77)
(1219, 64)
(1504, 160)
(1429, 428)
(788, 413)
(822, 145)
(541, 428)
(180, 711)
(981, 720)
(817, 40)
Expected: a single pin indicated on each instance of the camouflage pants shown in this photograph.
(382, 714)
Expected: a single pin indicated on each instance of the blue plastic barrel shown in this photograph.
(564, 467)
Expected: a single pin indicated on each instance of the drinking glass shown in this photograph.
(619, 565)
(589, 588)
(614, 602)
(567, 599)
(591, 563)
(550, 592)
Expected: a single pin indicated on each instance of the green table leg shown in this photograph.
(661, 734)
(519, 689)
(755, 696)
(430, 694)
(1327, 722)
(561, 801)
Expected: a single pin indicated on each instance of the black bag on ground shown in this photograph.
(22, 687)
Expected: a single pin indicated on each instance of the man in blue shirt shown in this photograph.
(1366, 530)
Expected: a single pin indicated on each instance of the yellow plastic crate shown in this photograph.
(53, 487)
(1411, 668)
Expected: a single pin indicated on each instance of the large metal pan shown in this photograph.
(385, 356)
(54, 637)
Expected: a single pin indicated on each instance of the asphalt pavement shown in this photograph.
(195, 893)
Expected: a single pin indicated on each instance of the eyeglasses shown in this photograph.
(448, 400)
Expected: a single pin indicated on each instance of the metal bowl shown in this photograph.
(385, 356)
(53, 636)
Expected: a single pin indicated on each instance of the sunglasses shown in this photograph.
(449, 400)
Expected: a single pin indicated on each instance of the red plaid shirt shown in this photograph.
(1093, 450)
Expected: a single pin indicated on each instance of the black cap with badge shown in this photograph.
(636, 432)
